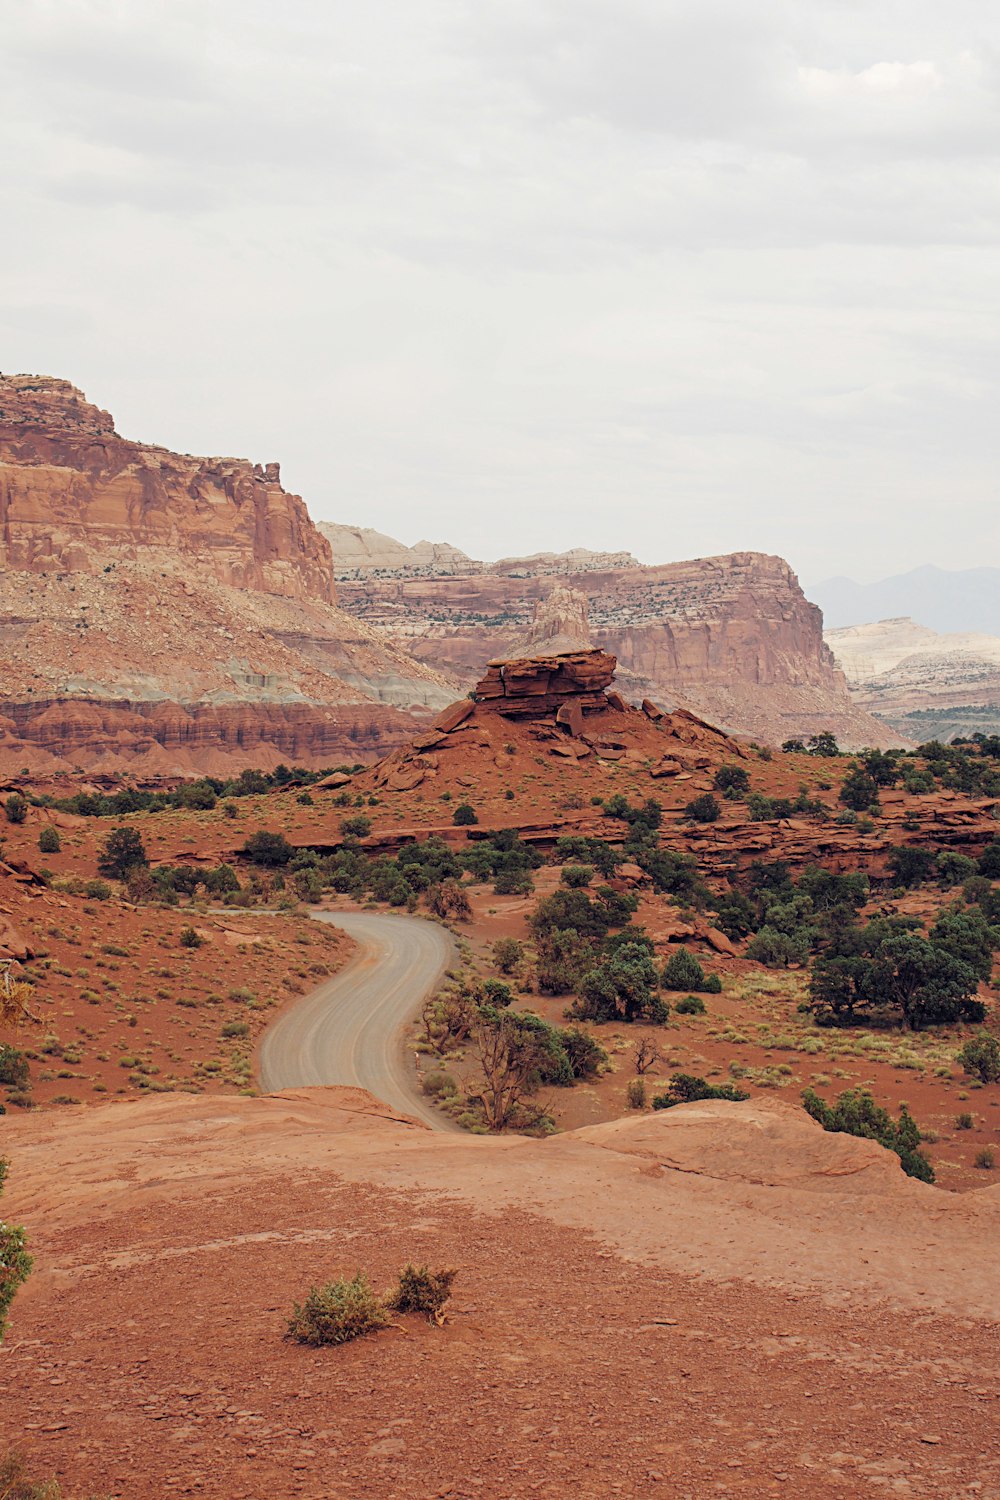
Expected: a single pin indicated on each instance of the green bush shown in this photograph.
(577, 876)
(731, 780)
(123, 851)
(636, 1093)
(703, 809)
(856, 1113)
(980, 1058)
(48, 840)
(356, 826)
(190, 937)
(235, 1028)
(985, 1159)
(682, 971)
(686, 1088)
(272, 850)
(690, 1005)
(14, 1067)
(16, 808)
(337, 1312)
(15, 1262)
(464, 815)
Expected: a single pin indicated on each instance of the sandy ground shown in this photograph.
(719, 1300)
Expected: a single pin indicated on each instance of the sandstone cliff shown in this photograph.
(172, 613)
(732, 637)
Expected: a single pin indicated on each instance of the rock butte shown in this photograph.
(174, 613)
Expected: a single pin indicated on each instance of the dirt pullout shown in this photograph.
(777, 1311)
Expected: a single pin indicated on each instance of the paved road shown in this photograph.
(350, 1029)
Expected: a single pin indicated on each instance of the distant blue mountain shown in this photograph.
(963, 600)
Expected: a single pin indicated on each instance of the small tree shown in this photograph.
(732, 780)
(856, 1113)
(16, 808)
(859, 791)
(682, 971)
(122, 853)
(507, 954)
(577, 876)
(464, 815)
(645, 1055)
(15, 1262)
(272, 850)
(356, 826)
(448, 900)
(703, 809)
(980, 1058)
(48, 840)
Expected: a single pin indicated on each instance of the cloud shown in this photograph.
(675, 275)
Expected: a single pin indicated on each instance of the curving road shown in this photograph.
(350, 1029)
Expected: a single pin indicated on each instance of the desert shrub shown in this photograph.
(856, 1113)
(823, 744)
(423, 1291)
(507, 954)
(980, 1058)
(622, 988)
(14, 1068)
(497, 994)
(271, 850)
(776, 950)
(735, 915)
(235, 1028)
(954, 868)
(682, 971)
(15, 1262)
(190, 937)
(48, 840)
(859, 791)
(985, 1159)
(586, 1055)
(123, 851)
(448, 900)
(911, 866)
(966, 936)
(989, 861)
(686, 1088)
(439, 1084)
(337, 1312)
(964, 1121)
(16, 1482)
(464, 815)
(577, 876)
(703, 809)
(732, 781)
(16, 808)
(356, 826)
(690, 1005)
(635, 1093)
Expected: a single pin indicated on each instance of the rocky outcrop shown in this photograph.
(733, 638)
(76, 497)
(169, 614)
(533, 687)
(560, 623)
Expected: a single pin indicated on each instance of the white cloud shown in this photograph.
(675, 275)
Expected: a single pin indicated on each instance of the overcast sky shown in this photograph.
(674, 276)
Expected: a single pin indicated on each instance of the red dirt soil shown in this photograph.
(718, 1300)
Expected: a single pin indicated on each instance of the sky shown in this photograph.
(679, 277)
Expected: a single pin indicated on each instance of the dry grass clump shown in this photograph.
(345, 1309)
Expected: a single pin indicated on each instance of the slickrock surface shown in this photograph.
(732, 637)
(718, 1300)
(174, 613)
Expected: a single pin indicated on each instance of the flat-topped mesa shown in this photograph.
(536, 687)
(76, 497)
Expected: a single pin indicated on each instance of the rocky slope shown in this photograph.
(693, 1302)
(172, 613)
(924, 684)
(732, 637)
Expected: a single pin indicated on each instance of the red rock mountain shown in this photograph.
(732, 638)
(171, 613)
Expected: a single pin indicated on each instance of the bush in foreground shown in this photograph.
(349, 1309)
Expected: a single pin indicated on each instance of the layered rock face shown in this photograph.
(74, 496)
(926, 685)
(532, 687)
(171, 614)
(733, 638)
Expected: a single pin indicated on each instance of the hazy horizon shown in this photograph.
(671, 278)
